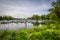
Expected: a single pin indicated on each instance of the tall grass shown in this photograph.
(51, 32)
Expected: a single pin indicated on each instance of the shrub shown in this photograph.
(46, 35)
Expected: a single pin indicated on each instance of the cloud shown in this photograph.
(26, 8)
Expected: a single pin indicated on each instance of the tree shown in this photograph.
(43, 17)
(53, 16)
(35, 17)
(6, 18)
(56, 8)
(0, 17)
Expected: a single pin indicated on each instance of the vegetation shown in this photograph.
(56, 8)
(35, 23)
(6, 18)
(49, 31)
(35, 17)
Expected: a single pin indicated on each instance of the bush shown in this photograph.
(46, 35)
(51, 32)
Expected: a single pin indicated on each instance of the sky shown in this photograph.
(24, 8)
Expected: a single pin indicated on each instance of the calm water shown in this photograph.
(15, 26)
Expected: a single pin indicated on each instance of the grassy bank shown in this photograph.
(38, 33)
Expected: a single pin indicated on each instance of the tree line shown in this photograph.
(6, 18)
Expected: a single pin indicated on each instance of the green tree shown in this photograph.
(35, 17)
(53, 16)
(6, 18)
(0, 17)
(56, 8)
(43, 17)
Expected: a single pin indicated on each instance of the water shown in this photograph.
(15, 26)
(12, 25)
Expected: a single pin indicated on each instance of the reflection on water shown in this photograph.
(40, 25)
(15, 26)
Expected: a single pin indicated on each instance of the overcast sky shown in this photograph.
(24, 8)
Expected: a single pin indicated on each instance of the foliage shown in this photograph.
(6, 18)
(51, 32)
(56, 8)
(52, 16)
(35, 17)
(36, 23)
(43, 17)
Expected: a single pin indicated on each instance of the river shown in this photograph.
(16, 26)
